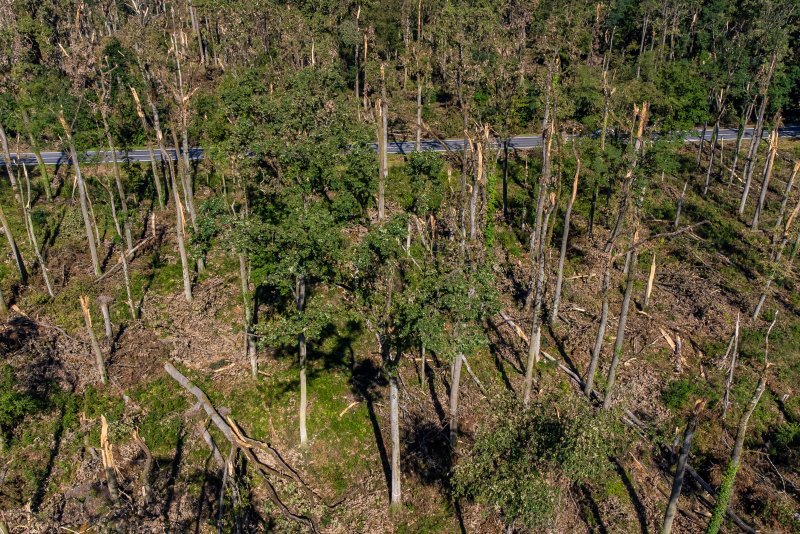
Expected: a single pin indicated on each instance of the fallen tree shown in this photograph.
(248, 448)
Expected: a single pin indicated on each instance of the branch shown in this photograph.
(646, 240)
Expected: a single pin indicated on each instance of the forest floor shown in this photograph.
(52, 477)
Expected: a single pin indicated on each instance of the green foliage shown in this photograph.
(14, 404)
(520, 463)
(682, 393)
(723, 498)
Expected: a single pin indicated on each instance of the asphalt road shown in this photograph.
(522, 142)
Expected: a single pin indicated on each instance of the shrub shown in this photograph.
(520, 464)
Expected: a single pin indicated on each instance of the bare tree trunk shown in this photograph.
(743, 120)
(455, 381)
(623, 318)
(127, 279)
(395, 431)
(733, 349)
(538, 291)
(383, 172)
(120, 190)
(36, 152)
(32, 236)
(601, 328)
(680, 204)
(418, 144)
(751, 154)
(300, 296)
(188, 194)
(7, 156)
(773, 149)
(143, 120)
(564, 238)
(83, 195)
(104, 302)
(98, 355)
(726, 488)
(680, 469)
(249, 341)
(650, 280)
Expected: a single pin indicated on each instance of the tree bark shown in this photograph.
(623, 318)
(680, 470)
(455, 381)
(249, 341)
(383, 172)
(564, 238)
(48, 193)
(601, 328)
(83, 195)
(98, 355)
(143, 120)
(743, 120)
(395, 431)
(773, 149)
(751, 154)
(300, 302)
(726, 488)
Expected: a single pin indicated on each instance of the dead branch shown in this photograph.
(239, 441)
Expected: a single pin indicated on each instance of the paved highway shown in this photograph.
(522, 142)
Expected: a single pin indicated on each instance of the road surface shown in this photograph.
(521, 142)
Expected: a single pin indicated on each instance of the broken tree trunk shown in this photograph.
(98, 355)
(680, 469)
(768, 166)
(726, 488)
(455, 381)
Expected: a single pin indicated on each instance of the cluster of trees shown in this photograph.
(288, 99)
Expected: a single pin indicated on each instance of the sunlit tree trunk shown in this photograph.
(680, 469)
(83, 195)
(564, 238)
(300, 296)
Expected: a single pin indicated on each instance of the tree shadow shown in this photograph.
(641, 512)
(559, 341)
(592, 515)
(366, 380)
(44, 476)
(175, 466)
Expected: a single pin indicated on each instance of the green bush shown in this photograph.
(14, 405)
(521, 462)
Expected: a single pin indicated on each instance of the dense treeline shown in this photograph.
(294, 105)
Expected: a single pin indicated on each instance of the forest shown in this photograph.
(399, 266)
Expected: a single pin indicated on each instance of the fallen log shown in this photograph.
(245, 446)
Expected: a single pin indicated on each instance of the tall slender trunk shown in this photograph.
(32, 236)
(782, 212)
(143, 120)
(300, 296)
(751, 154)
(249, 341)
(476, 187)
(48, 193)
(713, 143)
(680, 469)
(418, 144)
(395, 432)
(83, 195)
(383, 172)
(726, 488)
(601, 328)
(743, 120)
(126, 277)
(188, 193)
(12, 243)
(455, 381)
(564, 238)
(123, 202)
(680, 204)
(7, 157)
(98, 355)
(623, 318)
(768, 166)
(536, 325)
